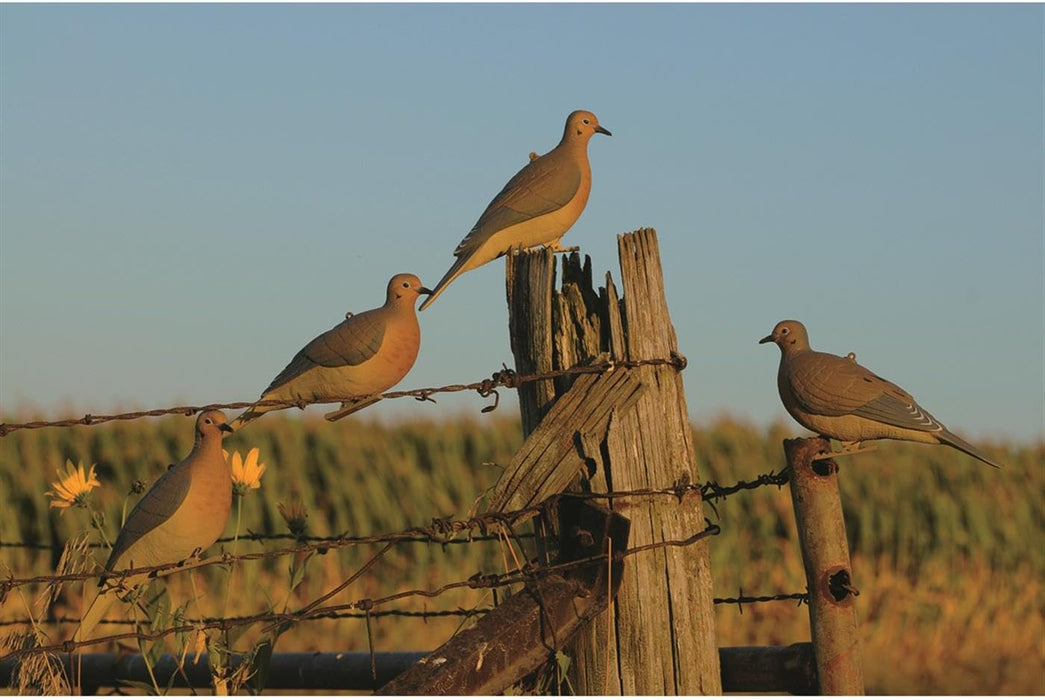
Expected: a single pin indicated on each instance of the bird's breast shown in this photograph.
(198, 521)
(394, 358)
(540, 230)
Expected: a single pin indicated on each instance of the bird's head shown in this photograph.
(789, 336)
(212, 422)
(405, 287)
(582, 125)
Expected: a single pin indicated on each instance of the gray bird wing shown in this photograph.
(542, 186)
(829, 385)
(901, 411)
(351, 342)
(154, 509)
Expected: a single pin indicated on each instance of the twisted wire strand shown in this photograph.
(504, 377)
(527, 574)
(442, 531)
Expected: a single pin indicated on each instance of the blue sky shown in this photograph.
(190, 193)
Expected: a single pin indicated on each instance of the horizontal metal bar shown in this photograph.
(744, 670)
(292, 670)
(787, 669)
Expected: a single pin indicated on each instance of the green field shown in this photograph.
(948, 554)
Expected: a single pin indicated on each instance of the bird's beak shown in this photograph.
(603, 130)
(767, 339)
(425, 290)
(224, 427)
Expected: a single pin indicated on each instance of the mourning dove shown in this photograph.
(183, 513)
(537, 206)
(838, 398)
(363, 355)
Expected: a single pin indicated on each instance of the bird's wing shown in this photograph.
(542, 186)
(154, 509)
(351, 342)
(828, 385)
(901, 410)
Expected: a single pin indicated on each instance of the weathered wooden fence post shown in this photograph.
(821, 532)
(659, 636)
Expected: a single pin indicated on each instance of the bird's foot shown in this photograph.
(847, 449)
(194, 555)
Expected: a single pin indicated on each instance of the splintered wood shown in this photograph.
(617, 435)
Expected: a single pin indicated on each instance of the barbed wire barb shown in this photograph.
(477, 581)
(504, 377)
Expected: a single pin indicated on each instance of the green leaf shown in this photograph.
(562, 660)
(260, 664)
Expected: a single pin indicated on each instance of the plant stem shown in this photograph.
(98, 526)
(235, 550)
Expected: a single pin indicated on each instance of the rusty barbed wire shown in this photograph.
(505, 377)
(456, 612)
(709, 491)
(741, 600)
(530, 572)
(266, 537)
(441, 531)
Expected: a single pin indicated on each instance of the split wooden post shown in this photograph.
(825, 552)
(517, 637)
(659, 635)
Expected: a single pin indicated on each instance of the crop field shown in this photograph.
(948, 554)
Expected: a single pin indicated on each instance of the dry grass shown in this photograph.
(948, 555)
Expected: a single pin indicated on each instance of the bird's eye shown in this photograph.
(207, 421)
(785, 330)
(406, 285)
(586, 121)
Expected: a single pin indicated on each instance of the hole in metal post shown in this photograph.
(840, 584)
(824, 467)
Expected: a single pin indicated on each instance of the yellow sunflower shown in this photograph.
(246, 473)
(73, 487)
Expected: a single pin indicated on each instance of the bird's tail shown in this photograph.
(248, 416)
(949, 438)
(456, 269)
(103, 600)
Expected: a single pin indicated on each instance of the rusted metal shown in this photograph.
(790, 669)
(287, 671)
(825, 553)
(486, 387)
(521, 633)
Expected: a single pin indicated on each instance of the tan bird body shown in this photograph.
(365, 354)
(836, 397)
(183, 513)
(537, 206)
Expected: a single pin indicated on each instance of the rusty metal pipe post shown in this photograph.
(825, 552)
